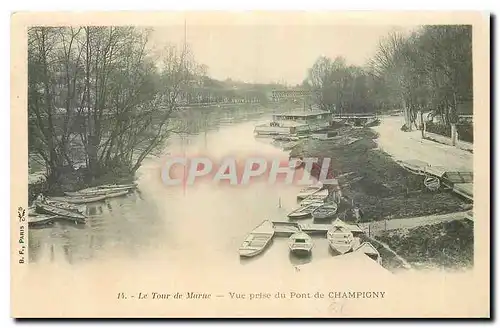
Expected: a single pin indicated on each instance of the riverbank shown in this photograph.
(73, 181)
(419, 246)
(190, 121)
(378, 185)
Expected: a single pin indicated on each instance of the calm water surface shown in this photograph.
(200, 221)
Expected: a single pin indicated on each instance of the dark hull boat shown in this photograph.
(41, 220)
(60, 212)
(303, 212)
(325, 212)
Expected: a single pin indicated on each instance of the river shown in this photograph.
(203, 220)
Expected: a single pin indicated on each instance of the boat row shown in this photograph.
(342, 238)
(314, 204)
(260, 237)
(44, 212)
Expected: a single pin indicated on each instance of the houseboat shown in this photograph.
(296, 122)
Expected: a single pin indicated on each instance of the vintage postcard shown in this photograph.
(250, 165)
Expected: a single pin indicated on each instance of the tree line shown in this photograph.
(429, 69)
(100, 97)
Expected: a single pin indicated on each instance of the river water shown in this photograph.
(205, 220)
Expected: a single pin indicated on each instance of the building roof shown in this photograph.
(367, 248)
(355, 262)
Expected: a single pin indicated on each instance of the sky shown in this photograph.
(273, 53)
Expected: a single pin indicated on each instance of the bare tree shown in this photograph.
(98, 96)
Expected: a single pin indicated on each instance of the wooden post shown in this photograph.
(454, 134)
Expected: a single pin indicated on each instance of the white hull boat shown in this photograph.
(97, 191)
(303, 212)
(300, 243)
(308, 191)
(257, 240)
(318, 197)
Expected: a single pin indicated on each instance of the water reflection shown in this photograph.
(203, 221)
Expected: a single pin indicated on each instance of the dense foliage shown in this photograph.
(429, 70)
(449, 244)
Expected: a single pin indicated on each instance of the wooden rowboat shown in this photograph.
(41, 219)
(340, 238)
(432, 183)
(300, 243)
(89, 199)
(317, 197)
(308, 191)
(59, 202)
(303, 211)
(96, 191)
(111, 186)
(60, 212)
(326, 211)
(257, 240)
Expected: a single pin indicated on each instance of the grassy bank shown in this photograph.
(389, 260)
(378, 185)
(448, 244)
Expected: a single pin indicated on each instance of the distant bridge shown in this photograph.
(354, 115)
(292, 94)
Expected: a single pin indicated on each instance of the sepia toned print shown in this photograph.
(250, 165)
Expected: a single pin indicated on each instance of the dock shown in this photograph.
(286, 229)
(460, 182)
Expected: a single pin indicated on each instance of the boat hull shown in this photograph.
(340, 248)
(96, 192)
(301, 251)
(41, 220)
(323, 216)
(296, 216)
(325, 212)
(89, 199)
(300, 243)
(257, 240)
(59, 212)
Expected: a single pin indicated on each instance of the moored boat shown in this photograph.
(287, 138)
(318, 197)
(41, 219)
(96, 191)
(325, 211)
(89, 199)
(303, 211)
(61, 203)
(340, 238)
(111, 186)
(60, 212)
(308, 191)
(257, 240)
(300, 243)
(294, 123)
(432, 183)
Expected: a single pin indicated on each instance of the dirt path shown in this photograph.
(410, 146)
(376, 227)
